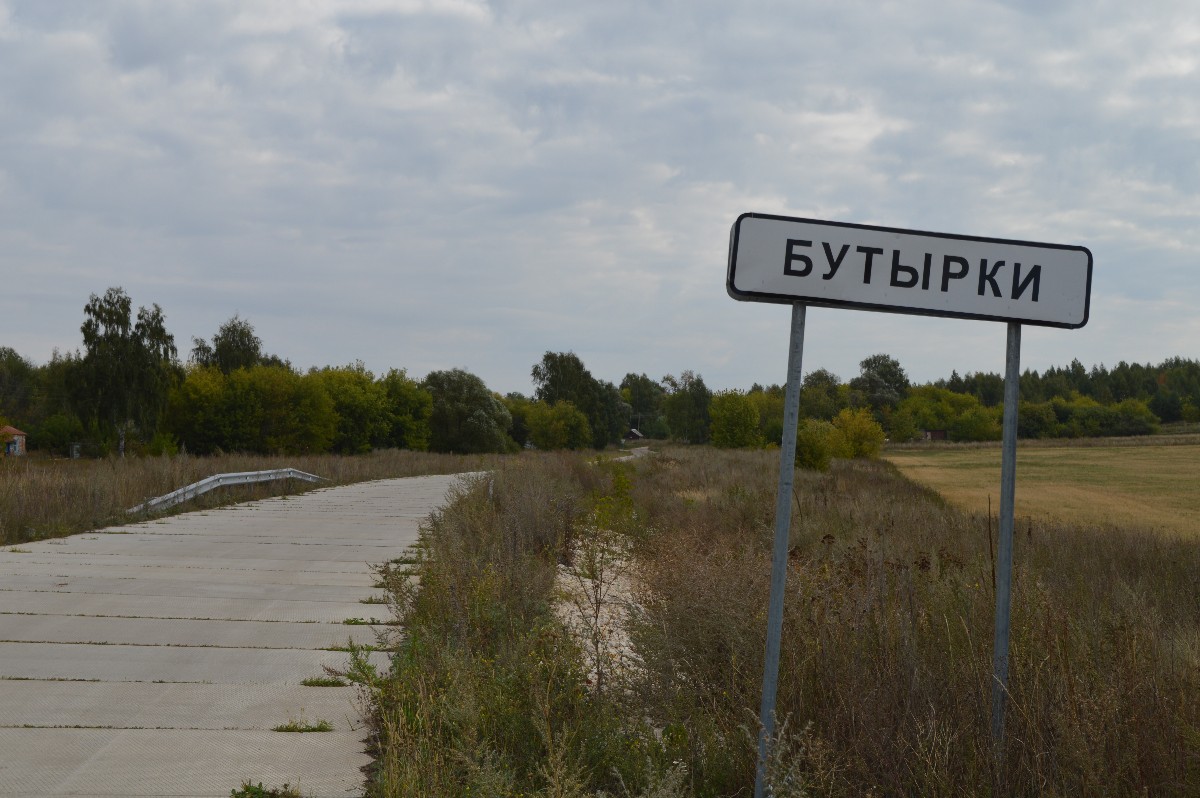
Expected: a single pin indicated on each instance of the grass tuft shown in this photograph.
(302, 726)
(251, 790)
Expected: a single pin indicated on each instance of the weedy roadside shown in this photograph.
(887, 646)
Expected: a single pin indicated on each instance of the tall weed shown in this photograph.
(488, 693)
(885, 679)
(887, 641)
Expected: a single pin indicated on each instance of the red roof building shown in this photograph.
(13, 441)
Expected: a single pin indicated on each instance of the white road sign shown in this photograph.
(784, 259)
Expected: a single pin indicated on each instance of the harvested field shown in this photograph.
(1147, 486)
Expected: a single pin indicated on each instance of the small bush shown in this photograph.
(863, 435)
(815, 444)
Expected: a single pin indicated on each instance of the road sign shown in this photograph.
(834, 264)
(808, 262)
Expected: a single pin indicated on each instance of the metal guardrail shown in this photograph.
(220, 480)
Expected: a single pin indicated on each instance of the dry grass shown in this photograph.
(887, 643)
(884, 684)
(1150, 486)
(44, 498)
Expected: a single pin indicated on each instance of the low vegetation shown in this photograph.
(251, 790)
(41, 498)
(885, 677)
(302, 726)
(1141, 482)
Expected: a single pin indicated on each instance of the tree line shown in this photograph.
(128, 388)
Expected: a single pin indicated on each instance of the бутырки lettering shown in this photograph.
(935, 273)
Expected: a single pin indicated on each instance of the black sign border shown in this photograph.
(784, 299)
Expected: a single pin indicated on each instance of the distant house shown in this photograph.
(13, 440)
(933, 435)
(634, 435)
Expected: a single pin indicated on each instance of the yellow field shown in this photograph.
(1149, 485)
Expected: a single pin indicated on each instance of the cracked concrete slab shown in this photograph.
(181, 642)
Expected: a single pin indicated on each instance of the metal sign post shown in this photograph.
(783, 526)
(1008, 489)
(802, 262)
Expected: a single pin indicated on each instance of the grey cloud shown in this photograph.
(528, 176)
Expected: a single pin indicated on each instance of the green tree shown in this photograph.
(686, 407)
(1190, 411)
(934, 408)
(128, 367)
(234, 346)
(557, 426)
(1132, 417)
(361, 406)
(56, 433)
(978, 423)
(56, 393)
(466, 417)
(882, 383)
(562, 377)
(409, 407)
(18, 386)
(613, 414)
(1036, 420)
(645, 399)
(1167, 405)
(518, 409)
(197, 412)
(274, 410)
(822, 395)
(733, 421)
(769, 404)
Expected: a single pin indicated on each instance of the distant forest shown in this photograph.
(128, 389)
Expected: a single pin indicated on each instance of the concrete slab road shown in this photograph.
(155, 659)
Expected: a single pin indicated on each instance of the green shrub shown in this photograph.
(815, 444)
(861, 432)
(733, 421)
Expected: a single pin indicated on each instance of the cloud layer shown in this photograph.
(439, 184)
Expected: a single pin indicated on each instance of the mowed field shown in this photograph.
(1152, 482)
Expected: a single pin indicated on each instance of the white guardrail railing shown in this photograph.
(220, 480)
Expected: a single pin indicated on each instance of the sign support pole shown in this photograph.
(1008, 483)
(783, 525)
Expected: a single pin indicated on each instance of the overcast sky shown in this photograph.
(449, 183)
